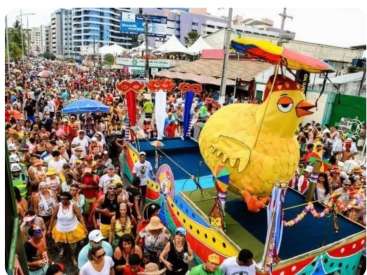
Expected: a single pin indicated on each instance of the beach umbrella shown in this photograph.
(45, 74)
(85, 106)
(275, 54)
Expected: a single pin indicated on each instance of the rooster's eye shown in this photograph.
(285, 104)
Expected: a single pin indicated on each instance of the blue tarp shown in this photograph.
(85, 106)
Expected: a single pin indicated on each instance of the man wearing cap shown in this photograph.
(77, 155)
(210, 267)
(143, 170)
(81, 140)
(19, 179)
(303, 180)
(95, 238)
(107, 178)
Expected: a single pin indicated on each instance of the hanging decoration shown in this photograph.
(160, 87)
(189, 90)
(308, 209)
(130, 89)
(275, 227)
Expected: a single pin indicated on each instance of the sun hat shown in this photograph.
(51, 171)
(153, 269)
(154, 224)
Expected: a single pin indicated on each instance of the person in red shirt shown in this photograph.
(133, 267)
(89, 188)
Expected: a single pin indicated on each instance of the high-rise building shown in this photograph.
(38, 39)
(180, 21)
(97, 27)
(48, 39)
(61, 33)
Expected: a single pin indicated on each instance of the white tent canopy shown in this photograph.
(140, 48)
(199, 45)
(172, 45)
(113, 49)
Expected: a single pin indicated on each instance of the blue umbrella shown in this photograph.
(85, 106)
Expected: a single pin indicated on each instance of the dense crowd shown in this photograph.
(78, 211)
(332, 169)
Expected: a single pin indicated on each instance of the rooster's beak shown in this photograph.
(302, 108)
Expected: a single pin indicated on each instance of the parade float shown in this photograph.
(230, 189)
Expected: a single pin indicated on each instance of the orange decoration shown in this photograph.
(161, 84)
(187, 87)
(129, 86)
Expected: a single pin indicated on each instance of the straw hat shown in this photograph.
(51, 171)
(152, 269)
(154, 224)
(38, 162)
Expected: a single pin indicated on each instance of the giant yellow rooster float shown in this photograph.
(257, 143)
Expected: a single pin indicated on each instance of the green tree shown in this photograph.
(15, 41)
(108, 59)
(191, 38)
(49, 55)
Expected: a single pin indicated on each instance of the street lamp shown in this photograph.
(146, 43)
(21, 30)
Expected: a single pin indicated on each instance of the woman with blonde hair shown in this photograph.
(120, 224)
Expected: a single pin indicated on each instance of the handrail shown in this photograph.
(13, 246)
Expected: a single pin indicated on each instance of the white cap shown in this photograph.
(12, 147)
(95, 236)
(13, 158)
(142, 153)
(15, 167)
(309, 169)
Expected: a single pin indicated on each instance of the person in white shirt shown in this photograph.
(98, 263)
(107, 178)
(81, 140)
(143, 170)
(77, 155)
(243, 264)
(57, 162)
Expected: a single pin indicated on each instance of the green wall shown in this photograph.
(349, 107)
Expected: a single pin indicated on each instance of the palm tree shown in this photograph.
(15, 41)
(191, 38)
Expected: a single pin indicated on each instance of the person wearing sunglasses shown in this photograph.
(67, 225)
(98, 263)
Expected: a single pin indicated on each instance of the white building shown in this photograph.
(61, 33)
(38, 39)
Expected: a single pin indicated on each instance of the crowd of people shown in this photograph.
(76, 205)
(332, 169)
(78, 211)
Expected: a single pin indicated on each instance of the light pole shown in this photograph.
(146, 44)
(227, 40)
(21, 31)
